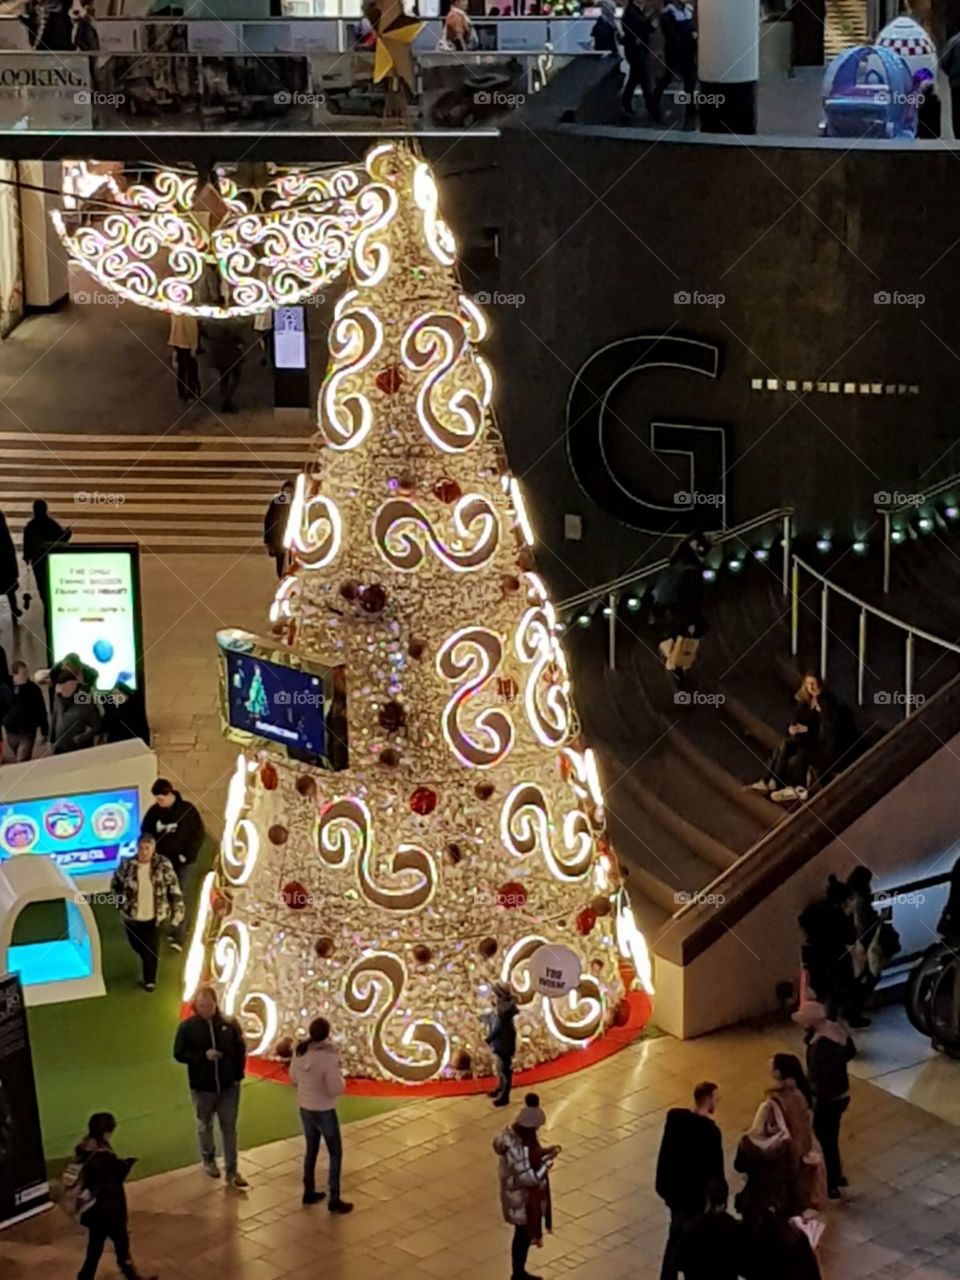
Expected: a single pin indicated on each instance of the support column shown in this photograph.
(729, 65)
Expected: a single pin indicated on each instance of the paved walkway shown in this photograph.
(424, 1183)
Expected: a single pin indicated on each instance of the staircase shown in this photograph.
(845, 24)
(677, 761)
(169, 493)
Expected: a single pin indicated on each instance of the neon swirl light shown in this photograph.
(314, 527)
(400, 529)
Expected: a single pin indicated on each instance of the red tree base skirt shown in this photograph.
(604, 1046)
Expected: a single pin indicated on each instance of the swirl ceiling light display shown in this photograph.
(215, 250)
(465, 831)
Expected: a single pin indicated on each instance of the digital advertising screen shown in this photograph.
(93, 610)
(272, 698)
(92, 831)
(289, 338)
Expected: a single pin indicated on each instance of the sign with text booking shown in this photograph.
(93, 611)
(91, 831)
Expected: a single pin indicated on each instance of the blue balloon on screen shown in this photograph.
(102, 650)
(125, 677)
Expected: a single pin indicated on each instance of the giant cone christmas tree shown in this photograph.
(466, 832)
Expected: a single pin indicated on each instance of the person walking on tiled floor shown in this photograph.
(691, 1157)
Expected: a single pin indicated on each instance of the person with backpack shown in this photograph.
(315, 1071)
(212, 1048)
(94, 1193)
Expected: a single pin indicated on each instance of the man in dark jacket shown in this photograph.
(638, 28)
(275, 525)
(503, 1041)
(25, 716)
(40, 536)
(9, 571)
(212, 1047)
(75, 722)
(712, 1246)
(691, 1157)
(177, 828)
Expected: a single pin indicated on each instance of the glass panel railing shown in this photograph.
(326, 91)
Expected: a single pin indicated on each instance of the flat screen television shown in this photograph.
(275, 698)
(91, 831)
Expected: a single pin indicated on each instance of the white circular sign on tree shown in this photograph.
(555, 971)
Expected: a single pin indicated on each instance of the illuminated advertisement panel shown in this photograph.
(92, 831)
(93, 611)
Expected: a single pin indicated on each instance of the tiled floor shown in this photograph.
(424, 1182)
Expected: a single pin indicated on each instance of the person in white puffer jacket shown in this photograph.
(315, 1070)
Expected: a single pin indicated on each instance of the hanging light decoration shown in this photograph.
(213, 249)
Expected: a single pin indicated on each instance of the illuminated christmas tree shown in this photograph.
(466, 832)
(256, 702)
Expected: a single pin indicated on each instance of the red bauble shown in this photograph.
(392, 717)
(373, 599)
(284, 1048)
(221, 903)
(416, 649)
(389, 758)
(422, 953)
(601, 905)
(484, 790)
(586, 919)
(324, 947)
(423, 801)
(509, 584)
(507, 688)
(349, 589)
(389, 381)
(512, 894)
(278, 833)
(307, 786)
(269, 776)
(488, 948)
(295, 895)
(447, 490)
(406, 484)
(454, 854)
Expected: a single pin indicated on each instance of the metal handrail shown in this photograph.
(889, 510)
(718, 539)
(611, 589)
(911, 633)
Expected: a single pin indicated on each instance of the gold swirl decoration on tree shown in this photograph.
(345, 831)
(437, 234)
(379, 980)
(258, 1014)
(515, 970)
(356, 337)
(240, 843)
(454, 393)
(525, 826)
(577, 1017)
(547, 691)
(314, 528)
(401, 529)
(472, 656)
(231, 955)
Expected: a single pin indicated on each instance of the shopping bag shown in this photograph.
(683, 653)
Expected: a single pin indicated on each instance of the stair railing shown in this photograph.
(611, 590)
(909, 502)
(911, 633)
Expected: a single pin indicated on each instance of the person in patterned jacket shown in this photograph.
(147, 893)
(525, 1182)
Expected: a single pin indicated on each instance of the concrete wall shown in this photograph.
(911, 833)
